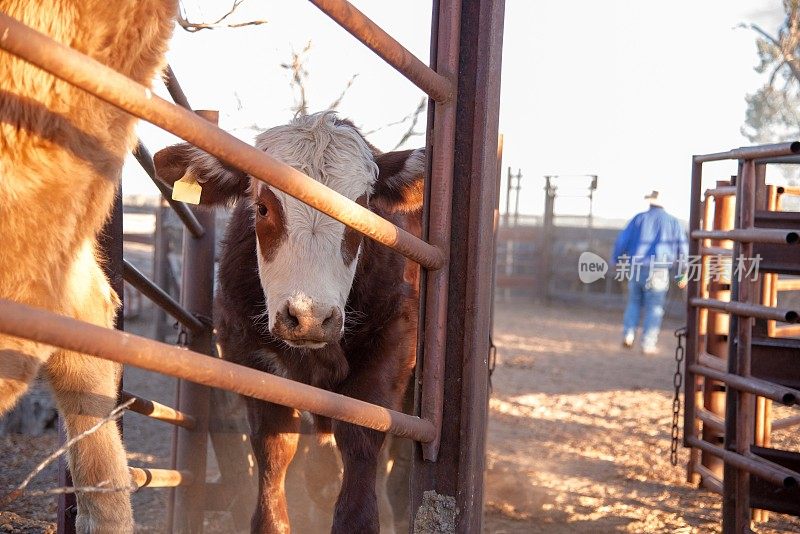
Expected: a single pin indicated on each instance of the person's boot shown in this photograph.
(649, 340)
(627, 340)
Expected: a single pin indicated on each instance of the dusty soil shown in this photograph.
(578, 436)
(579, 431)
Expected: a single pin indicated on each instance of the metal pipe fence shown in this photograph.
(122, 92)
(49, 328)
(734, 364)
(463, 118)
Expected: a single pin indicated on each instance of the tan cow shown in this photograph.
(61, 153)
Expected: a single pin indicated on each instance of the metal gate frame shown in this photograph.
(461, 198)
(760, 368)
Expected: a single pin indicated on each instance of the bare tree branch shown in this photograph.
(756, 28)
(115, 414)
(775, 72)
(784, 45)
(415, 119)
(299, 77)
(193, 27)
(335, 103)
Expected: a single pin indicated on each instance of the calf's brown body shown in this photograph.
(371, 355)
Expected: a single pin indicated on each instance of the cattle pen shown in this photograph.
(738, 360)
(459, 214)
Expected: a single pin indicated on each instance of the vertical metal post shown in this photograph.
(438, 230)
(517, 188)
(190, 446)
(740, 413)
(496, 225)
(717, 334)
(545, 262)
(507, 217)
(67, 505)
(692, 475)
(458, 471)
(160, 263)
(769, 294)
(692, 323)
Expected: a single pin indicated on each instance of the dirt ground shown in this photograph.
(579, 432)
(578, 436)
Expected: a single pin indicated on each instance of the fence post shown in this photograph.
(457, 474)
(190, 447)
(160, 266)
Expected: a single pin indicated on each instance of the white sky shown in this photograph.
(626, 89)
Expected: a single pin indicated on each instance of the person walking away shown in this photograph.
(651, 244)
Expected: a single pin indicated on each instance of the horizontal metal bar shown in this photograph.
(118, 90)
(160, 298)
(752, 235)
(145, 239)
(747, 310)
(774, 473)
(155, 410)
(709, 480)
(159, 478)
(757, 386)
(789, 190)
(711, 420)
(752, 152)
(792, 330)
(714, 362)
(786, 422)
(780, 160)
(49, 328)
(711, 484)
(183, 212)
(722, 191)
(715, 251)
(384, 45)
(788, 284)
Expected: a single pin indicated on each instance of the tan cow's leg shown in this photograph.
(385, 510)
(86, 391)
(19, 362)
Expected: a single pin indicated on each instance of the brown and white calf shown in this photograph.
(61, 154)
(304, 297)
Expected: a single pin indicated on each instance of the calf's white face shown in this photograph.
(306, 259)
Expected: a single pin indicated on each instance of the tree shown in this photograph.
(220, 22)
(299, 75)
(773, 111)
(299, 79)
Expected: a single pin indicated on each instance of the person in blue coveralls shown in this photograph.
(646, 251)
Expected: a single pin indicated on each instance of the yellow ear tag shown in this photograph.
(187, 189)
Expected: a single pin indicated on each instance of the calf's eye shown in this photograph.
(262, 210)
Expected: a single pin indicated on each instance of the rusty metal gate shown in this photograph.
(738, 360)
(461, 194)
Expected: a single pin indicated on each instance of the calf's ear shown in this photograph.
(401, 180)
(220, 182)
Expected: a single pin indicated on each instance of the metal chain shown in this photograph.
(677, 381)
